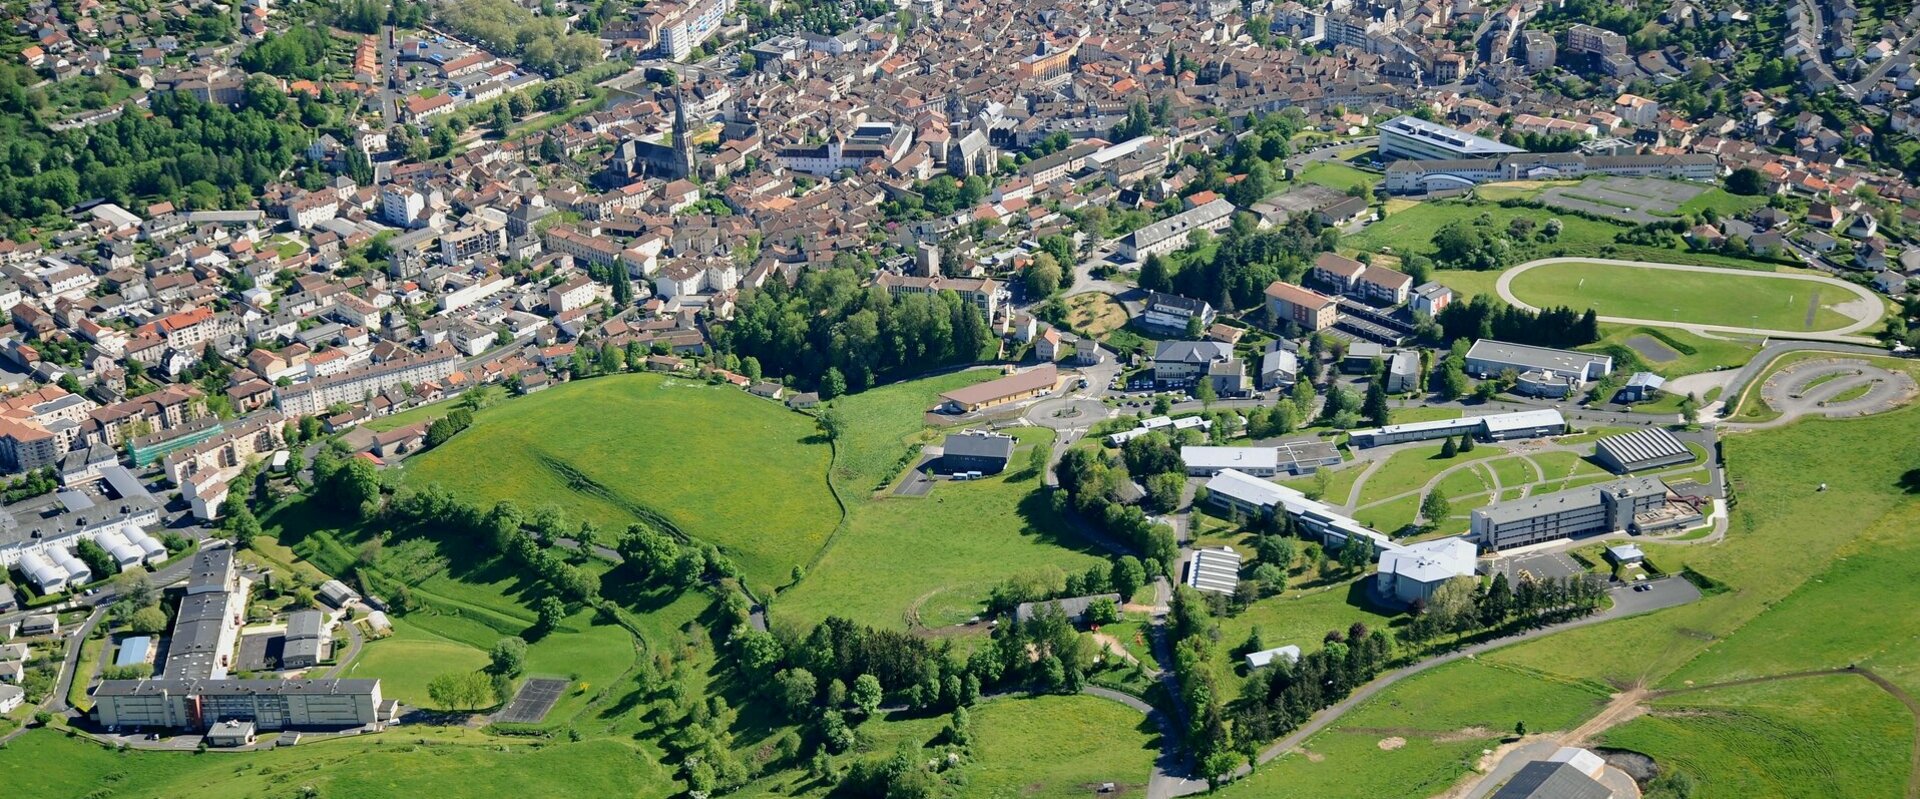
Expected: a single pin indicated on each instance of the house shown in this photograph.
(41, 624)
(1172, 313)
(1180, 363)
(768, 389)
(11, 696)
(976, 451)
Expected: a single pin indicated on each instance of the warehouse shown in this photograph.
(1587, 510)
(1640, 450)
(1215, 570)
(1031, 383)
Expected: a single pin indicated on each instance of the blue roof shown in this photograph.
(133, 651)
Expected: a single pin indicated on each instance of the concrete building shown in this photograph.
(1412, 176)
(269, 704)
(1183, 363)
(208, 621)
(1244, 494)
(1640, 450)
(1310, 310)
(1172, 233)
(1575, 512)
(976, 451)
(1417, 139)
(1409, 574)
(1493, 427)
(1209, 461)
(307, 641)
(1170, 313)
(1488, 358)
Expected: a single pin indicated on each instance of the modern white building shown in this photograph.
(1215, 570)
(1410, 573)
(1209, 461)
(1415, 138)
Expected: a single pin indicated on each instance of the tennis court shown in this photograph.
(535, 698)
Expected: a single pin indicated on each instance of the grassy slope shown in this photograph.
(1058, 746)
(939, 553)
(1339, 176)
(883, 423)
(1718, 298)
(727, 467)
(1411, 230)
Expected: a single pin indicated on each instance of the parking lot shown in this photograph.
(1541, 566)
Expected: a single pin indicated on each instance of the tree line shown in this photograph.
(832, 334)
(1484, 317)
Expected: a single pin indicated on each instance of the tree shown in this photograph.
(509, 656)
(1128, 576)
(1448, 449)
(1164, 490)
(796, 689)
(1466, 442)
(1205, 393)
(551, 612)
(150, 620)
(1435, 508)
(1690, 410)
(465, 690)
(1375, 409)
(1746, 181)
(750, 367)
(831, 423)
(866, 694)
(1355, 555)
(1037, 460)
(1043, 276)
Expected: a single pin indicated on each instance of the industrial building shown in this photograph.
(199, 704)
(1414, 138)
(1640, 450)
(1493, 427)
(1587, 510)
(1214, 570)
(38, 535)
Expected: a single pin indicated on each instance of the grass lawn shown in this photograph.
(1335, 485)
(1411, 229)
(1334, 174)
(1466, 283)
(1094, 314)
(1517, 189)
(729, 468)
(439, 762)
(935, 557)
(83, 669)
(1059, 746)
(1743, 299)
(1822, 736)
(1296, 617)
(410, 658)
(1723, 203)
(884, 425)
(1707, 354)
(1410, 415)
(1409, 469)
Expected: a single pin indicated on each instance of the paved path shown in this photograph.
(1862, 319)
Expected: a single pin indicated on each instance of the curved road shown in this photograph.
(1504, 287)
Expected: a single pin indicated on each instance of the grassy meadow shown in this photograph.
(1742, 299)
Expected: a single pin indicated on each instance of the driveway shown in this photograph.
(1865, 309)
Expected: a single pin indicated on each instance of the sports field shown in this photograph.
(726, 467)
(1738, 299)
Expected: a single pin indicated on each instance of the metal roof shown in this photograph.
(1645, 446)
(1216, 570)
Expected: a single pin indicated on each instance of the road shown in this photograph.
(1859, 88)
(1869, 316)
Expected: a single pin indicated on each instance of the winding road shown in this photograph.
(1848, 334)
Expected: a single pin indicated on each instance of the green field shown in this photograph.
(1058, 746)
(1334, 174)
(1411, 229)
(1707, 354)
(410, 658)
(1712, 298)
(1467, 283)
(729, 468)
(1824, 736)
(933, 558)
(1296, 617)
(885, 424)
(1411, 468)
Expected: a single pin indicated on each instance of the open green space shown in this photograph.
(410, 658)
(1690, 353)
(1420, 414)
(1721, 202)
(1410, 229)
(1822, 736)
(1411, 468)
(1060, 746)
(1298, 617)
(931, 560)
(726, 467)
(1468, 283)
(1334, 174)
(1333, 485)
(885, 427)
(1713, 298)
(424, 413)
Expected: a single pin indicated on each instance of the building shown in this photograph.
(11, 697)
(976, 451)
(873, 141)
(1488, 358)
(193, 704)
(1279, 369)
(1575, 512)
(307, 641)
(1167, 423)
(1249, 496)
(1376, 284)
(1172, 233)
(231, 734)
(1214, 570)
(1308, 309)
(135, 650)
(1412, 176)
(1547, 779)
(1074, 608)
(356, 385)
(1431, 298)
(209, 619)
(1409, 574)
(1641, 387)
(1182, 363)
(638, 158)
(1172, 313)
(1414, 138)
(985, 293)
(1626, 555)
(1012, 388)
(1640, 450)
(1266, 657)
(1209, 461)
(1493, 427)
(1586, 39)
(1306, 456)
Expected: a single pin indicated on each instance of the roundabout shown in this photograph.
(1699, 299)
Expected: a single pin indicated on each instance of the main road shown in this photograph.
(1863, 318)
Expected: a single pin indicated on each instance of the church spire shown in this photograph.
(682, 142)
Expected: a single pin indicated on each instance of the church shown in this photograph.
(635, 158)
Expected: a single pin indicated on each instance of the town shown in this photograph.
(939, 398)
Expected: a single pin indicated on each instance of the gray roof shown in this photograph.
(978, 445)
(304, 624)
(1192, 351)
(1531, 357)
(308, 648)
(234, 687)
(1640, 446)
(1582, 497)
(193, 650)
(1454, 139)
(1543, 779)
(1072, 607)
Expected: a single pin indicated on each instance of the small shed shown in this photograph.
(1265, 657)
(1625, 554)
(1641, 387)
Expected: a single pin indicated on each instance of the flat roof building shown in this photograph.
(1209, 461)
(268, 704)
(1575, 512)
(1488, 358)
(1411, 573)
(1492, 427)
(1266, 657)
(1640, 450)
(1415, 138)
